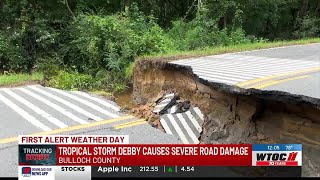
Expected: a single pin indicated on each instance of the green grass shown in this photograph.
(13, 79)
(229, 49)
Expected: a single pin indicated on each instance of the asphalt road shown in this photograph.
(293, 69)
(36, 109)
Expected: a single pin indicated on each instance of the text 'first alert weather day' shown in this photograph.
(63, 139)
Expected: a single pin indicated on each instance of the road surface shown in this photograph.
(41, 110)
(293, 69)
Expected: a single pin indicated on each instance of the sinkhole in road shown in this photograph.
(231, 114)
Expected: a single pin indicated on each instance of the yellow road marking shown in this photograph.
(8, 140)
(275, 76)
(270, 83)
(70, 128)
(138, 120)
(130, 124)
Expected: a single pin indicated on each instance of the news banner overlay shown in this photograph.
(38, 155)
(277, 155)
(149, 155)
(84, 156)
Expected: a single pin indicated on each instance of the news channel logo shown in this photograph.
(26, 171)
(276, 155)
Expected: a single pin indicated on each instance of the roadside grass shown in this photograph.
(14, 79)
(227, 49)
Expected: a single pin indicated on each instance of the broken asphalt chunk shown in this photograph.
(168, 101)
(187, 125)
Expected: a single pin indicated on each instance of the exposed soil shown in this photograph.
(128, 105)
(124, 99)
(233, 114)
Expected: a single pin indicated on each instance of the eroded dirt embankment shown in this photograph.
(234, 115)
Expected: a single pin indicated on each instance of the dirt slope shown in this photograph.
(235, 115)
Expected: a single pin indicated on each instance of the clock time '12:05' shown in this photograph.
(274, 148)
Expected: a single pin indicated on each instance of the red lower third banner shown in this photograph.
(160, 155)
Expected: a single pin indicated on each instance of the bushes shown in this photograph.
(98, 51)
(203, 32)
(71, 81)
(12, 58)
(156, 41)
(308, 27)
(104, 47)
(111, 43)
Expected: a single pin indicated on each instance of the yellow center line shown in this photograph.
(275, 76)
(138, 120)
(130, 124)
(70, 128)
(270, 83)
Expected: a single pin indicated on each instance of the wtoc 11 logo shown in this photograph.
(276, 155)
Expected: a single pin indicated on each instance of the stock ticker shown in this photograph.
(91, 156)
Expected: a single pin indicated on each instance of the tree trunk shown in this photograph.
(199, 5)
(173, 5)
(127, 3)
(162, 12)
(318, 8)
(225, 18)
(67, 4)
(304, 8)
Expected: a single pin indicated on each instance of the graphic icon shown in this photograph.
(276, 154)
(26, 171)
(170, 169)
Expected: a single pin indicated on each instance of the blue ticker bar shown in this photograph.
(276, 147)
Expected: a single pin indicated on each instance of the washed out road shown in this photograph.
(40, 110)
(293, 69)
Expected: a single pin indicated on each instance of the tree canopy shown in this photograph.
(103, 37)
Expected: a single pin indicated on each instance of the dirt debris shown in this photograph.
(235, 115)
(146, 112)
